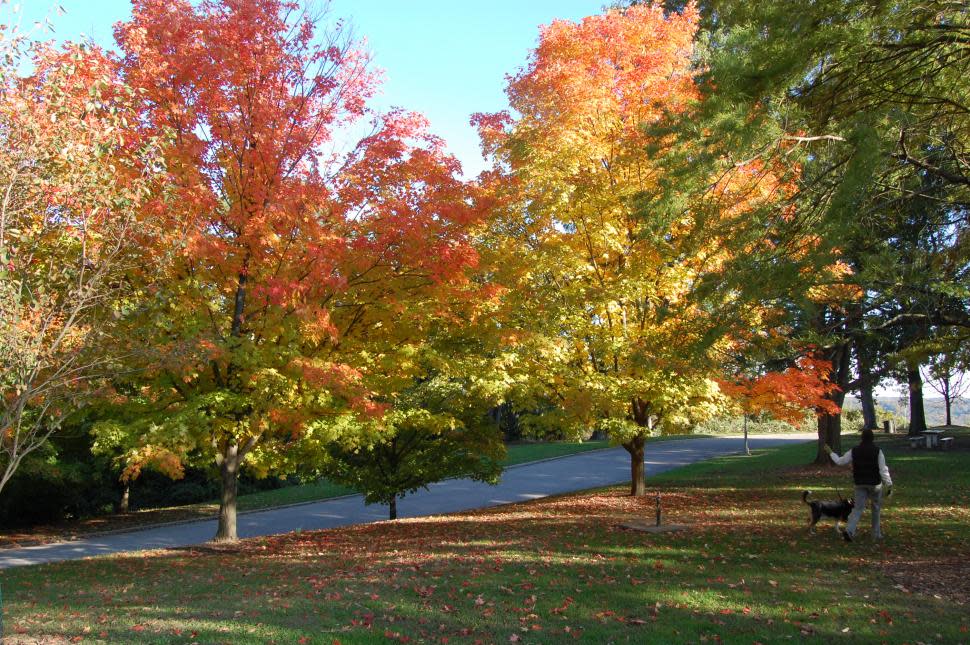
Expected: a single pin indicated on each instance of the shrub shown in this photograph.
(735, 425)
(51, 487)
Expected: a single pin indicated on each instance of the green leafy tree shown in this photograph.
(422, 441)
(436, 391)
(866, 100)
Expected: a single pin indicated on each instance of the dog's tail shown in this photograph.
(805, 495)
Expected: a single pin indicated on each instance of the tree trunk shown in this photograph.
(829, 432)
(231, 457)
(747, 449)
(638, 484)
(229, 469)
(866, 385)
(392, 508)
(830, 425)
(641, 413)
(917, 415)
(947, 399)
(868, 407)
(125, 495)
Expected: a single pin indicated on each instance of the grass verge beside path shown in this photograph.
(311, 492)
(525, 452)
(554, 570)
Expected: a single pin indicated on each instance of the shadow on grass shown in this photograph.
(547, 571)
(532, 571)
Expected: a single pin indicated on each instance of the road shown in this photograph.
(519, 483)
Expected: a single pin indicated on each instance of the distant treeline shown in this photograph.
(935, 410)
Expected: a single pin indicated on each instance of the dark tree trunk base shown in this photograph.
(829, 432)
(638, 484)
(229, 470)
(829, 424)
(747, 447)
(866, 397)
(125, 497)
(917, 415)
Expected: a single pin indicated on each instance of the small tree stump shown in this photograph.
(657, 526)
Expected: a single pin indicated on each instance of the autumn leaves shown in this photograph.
(623, 297)
(284, 309)
(298, 281)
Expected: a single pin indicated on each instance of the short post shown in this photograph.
(658, 508)
(889, 426)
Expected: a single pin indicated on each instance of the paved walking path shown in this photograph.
(519, 483)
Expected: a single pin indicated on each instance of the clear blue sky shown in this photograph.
(444, 58)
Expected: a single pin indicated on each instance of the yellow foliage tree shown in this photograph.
(607, 305)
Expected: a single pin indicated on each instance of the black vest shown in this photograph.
(865, 465)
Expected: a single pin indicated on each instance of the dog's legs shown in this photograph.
(813, 518)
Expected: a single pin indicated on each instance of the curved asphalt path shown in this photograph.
(519, 483)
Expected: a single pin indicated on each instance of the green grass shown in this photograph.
(521, 453)
(550, 571)
(310, 492)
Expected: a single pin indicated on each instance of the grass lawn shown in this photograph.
(524, 452)
(554, 570)
(290, 495)
(521, 453)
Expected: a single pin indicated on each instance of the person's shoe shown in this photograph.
(846, 535)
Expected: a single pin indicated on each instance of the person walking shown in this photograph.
(871, 477)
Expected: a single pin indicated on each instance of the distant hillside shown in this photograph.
(935, 410)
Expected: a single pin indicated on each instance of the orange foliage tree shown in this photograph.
(787, 395)
(283, 271)
(614, 308)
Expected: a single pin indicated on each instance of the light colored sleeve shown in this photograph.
(844, 460)
(884, 470)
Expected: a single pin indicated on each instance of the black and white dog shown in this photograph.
(839, 510)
